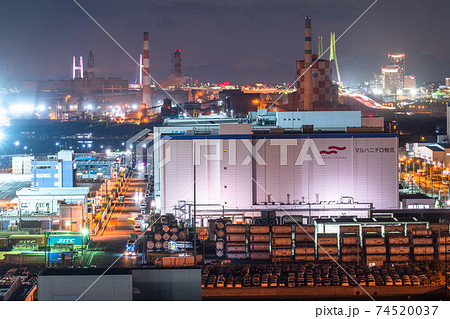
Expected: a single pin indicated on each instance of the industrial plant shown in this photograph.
(169, 188)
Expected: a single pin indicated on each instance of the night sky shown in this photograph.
(240, 41)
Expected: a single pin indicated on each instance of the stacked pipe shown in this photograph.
(327, 247)
(153, 240)
(236, 241)
(413, 227)
(350, 244)
(442, 238)
(305, 249)
(394, 230)
(282, 243)
(399, 248)
(219, 230)
(157, 239)
(259, 242)
(422, 245)
(374, 246)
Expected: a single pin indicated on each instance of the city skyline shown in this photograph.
(260, 43)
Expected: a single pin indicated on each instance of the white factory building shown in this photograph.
(241, 172)
(61, 205)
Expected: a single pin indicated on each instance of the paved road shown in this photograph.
(106, 249)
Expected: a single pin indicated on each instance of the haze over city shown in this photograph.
(242, 42)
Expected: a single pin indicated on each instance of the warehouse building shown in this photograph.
(240, 172)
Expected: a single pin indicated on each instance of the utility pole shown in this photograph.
(194, 226)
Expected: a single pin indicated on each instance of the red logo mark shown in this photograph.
(333, 149)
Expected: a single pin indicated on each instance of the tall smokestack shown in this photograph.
(176, 64)
(307, 102)
(146, 94)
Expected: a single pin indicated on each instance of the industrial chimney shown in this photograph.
(307, 102)
(176, 64)
(146, 93)
(90, 72)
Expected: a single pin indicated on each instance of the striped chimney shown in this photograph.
(146, 93)
(308, 91)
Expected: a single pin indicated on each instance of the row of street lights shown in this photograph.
(430, 168)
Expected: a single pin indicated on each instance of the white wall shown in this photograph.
(365, 170)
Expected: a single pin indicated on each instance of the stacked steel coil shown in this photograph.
(350, 244)
(259, 242)
(281, 243)
(374, 246)
(399, 248)
(327, 247)
(219, 230)
(235, 239)
(305, 249)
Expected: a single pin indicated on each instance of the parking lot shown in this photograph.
(310, 275)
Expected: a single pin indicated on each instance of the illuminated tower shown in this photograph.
(397, 61)
(146, 93)
(320, 48)
(76, 67)
(333, 56)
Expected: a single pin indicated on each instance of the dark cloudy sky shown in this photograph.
(237, 40)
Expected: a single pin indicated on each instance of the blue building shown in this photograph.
(58, 171)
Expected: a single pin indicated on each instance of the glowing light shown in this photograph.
(16, 143)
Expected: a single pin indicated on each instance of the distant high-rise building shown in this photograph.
(391, 81)
(377, 84)
(447, 81)
(410, 82)
(397, 61)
